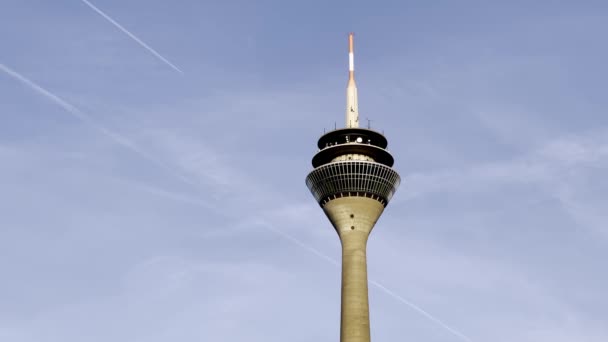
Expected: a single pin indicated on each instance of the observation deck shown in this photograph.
(352, 162)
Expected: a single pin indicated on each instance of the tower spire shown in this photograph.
(352, 106)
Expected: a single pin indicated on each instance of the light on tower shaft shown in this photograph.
(352, 106)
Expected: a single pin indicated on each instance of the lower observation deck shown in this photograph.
(353, 178)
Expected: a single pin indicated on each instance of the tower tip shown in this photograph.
(352, 108)
(351, 53)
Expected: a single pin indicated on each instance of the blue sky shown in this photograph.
(140, 203)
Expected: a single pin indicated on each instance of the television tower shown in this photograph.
(353, 181)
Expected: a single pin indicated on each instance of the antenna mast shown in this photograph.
(352, 106)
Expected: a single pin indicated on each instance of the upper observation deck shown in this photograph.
(352, 141)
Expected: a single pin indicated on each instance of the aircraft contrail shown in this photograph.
(132, 36)
(127, 143)
(420, 311)
(80, 115)
(372, 282)
(302, 244)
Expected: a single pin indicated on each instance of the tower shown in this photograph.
(353, 181)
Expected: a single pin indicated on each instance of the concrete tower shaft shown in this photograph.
(353, 218)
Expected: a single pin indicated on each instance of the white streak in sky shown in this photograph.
(371, 281)
(139, 41)
(302, 244)
(420, 310)
(77, 113)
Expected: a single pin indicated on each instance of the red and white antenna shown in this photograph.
(352, 107)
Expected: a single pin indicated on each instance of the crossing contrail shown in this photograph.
(132, 36)
(82, 116)
(381, 287)
(420, 311)
(128, 144)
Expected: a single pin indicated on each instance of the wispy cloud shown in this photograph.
(560, 168)
(132, 36)
(547, 164)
